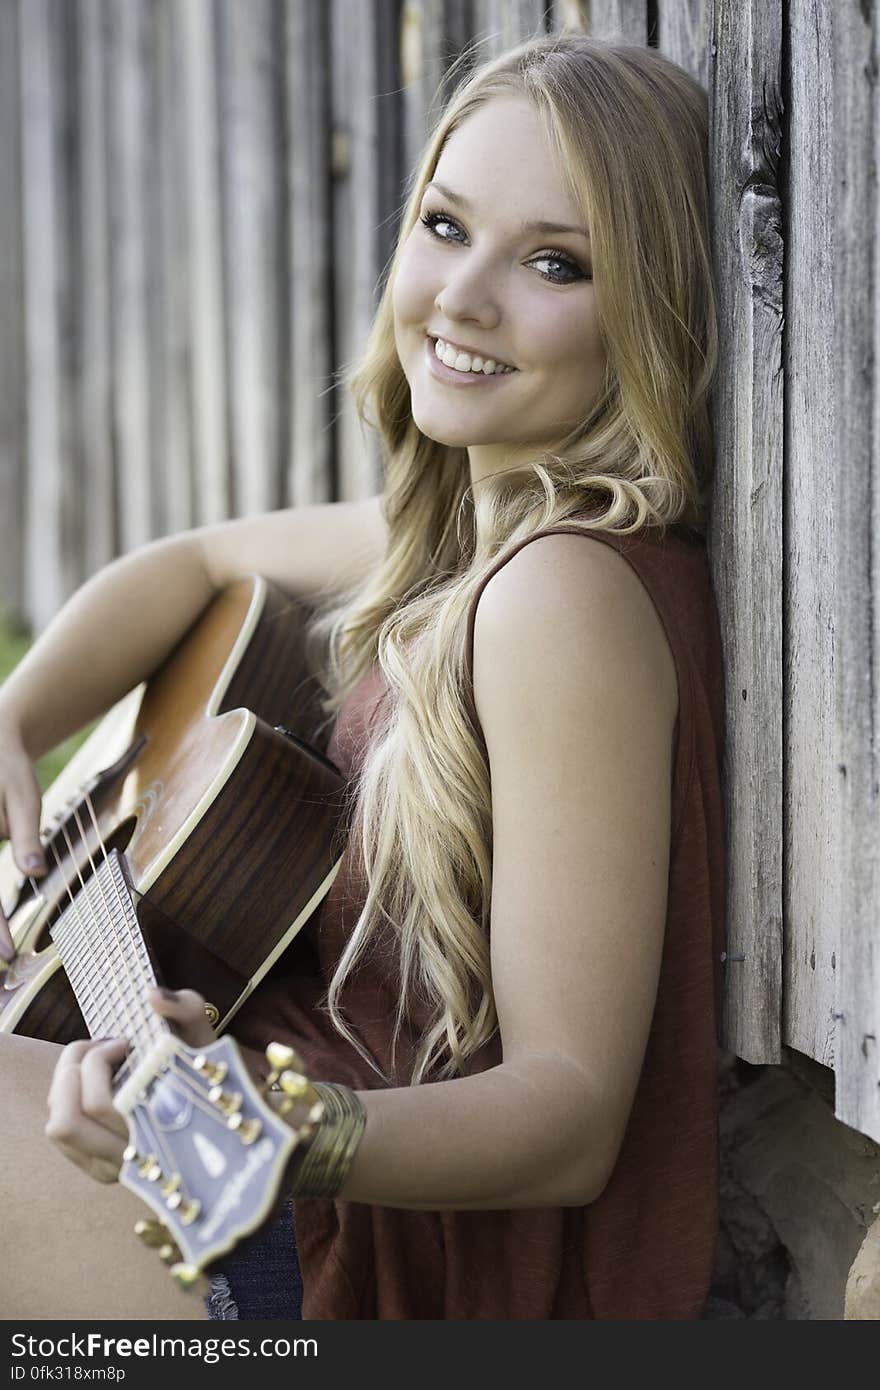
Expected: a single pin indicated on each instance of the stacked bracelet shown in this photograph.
(331, 1151)
(328, 1137)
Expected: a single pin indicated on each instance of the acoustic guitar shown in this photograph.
(190, 839)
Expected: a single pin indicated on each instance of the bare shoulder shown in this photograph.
(572, 604)
(575, 687)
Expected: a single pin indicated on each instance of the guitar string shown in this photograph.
(75, 903)
(173, 1061)
(112, 976)
(74, 900)
(150, 1019)
(187, 1082)
(146, 1123)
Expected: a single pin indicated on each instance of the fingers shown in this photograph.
(23, 802)
(7, 945)
(83, 1121)
(20, 824)
(185, 1009)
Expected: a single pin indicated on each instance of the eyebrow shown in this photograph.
(543, 227)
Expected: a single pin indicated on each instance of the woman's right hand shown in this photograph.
(20, 805)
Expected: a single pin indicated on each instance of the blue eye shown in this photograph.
(431, 220)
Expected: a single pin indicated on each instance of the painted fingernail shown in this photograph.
(34, 861)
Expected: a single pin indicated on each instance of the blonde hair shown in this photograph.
(631, 129)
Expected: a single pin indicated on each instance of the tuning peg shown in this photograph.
(150, 1168)
(227, 1101)
(152, 1233)
(188, 1211)
(169, 1253)
(249, 1130)
(293, 1083)
(297, 1087)
(171, 1185)
(189, 1278)
(280, 1057)
(214, 1072)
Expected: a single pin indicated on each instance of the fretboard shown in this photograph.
(102, 949)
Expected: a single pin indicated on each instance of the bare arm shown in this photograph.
(568, 645)
(92, 652)
(120, 625)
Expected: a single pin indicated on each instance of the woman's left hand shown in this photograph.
(83, 1120)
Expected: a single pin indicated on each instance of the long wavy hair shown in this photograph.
(631, 128)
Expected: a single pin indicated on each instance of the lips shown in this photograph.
(472, 351)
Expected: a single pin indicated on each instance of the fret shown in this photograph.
(104, 954)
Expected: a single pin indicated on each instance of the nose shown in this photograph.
(467, 296)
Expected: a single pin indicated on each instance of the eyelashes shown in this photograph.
(429, 220)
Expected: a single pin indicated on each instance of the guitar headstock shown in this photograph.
(206, 1151)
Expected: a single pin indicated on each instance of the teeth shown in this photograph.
(463, 362)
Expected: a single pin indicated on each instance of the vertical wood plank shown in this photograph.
(504, 23)
(94, 384)
(423, 61)
(685, 35)
(620, 19)
(433, 34)
(175, 461)
(364, 53)
(128, 104)
(251, 148)
(12, 376)
(309, 472)
(44, 285)
(856, 505)
(812, 919)
(200, 139)
(746, 523)
(572, 16)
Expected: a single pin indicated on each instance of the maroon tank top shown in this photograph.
(645, 1248)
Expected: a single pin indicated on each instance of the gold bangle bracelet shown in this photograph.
(330, 1153)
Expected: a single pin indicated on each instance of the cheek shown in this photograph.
(577, 353)
(412, 286)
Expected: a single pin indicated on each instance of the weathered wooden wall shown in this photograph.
(842, 500)
(198, 202)
(746, 97)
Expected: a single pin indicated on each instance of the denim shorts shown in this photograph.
(261, 1278)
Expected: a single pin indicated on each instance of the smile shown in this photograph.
(443, 373)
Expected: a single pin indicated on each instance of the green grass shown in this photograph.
(13, 646)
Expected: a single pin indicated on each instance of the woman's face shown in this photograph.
(480, 279)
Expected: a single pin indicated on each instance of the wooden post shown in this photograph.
(132, 268)
(95, 377)
(847, 492)
(746, 524)
(203, 270)
(308, 473)
(255, 276)
(46, 286)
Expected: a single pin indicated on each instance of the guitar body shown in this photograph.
(231, 831)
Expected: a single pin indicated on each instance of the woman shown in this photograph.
(519, 970)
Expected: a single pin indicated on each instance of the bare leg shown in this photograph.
(69, 1250)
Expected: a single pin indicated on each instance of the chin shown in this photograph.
(440, 433)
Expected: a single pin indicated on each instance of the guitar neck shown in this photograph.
(103, 952)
